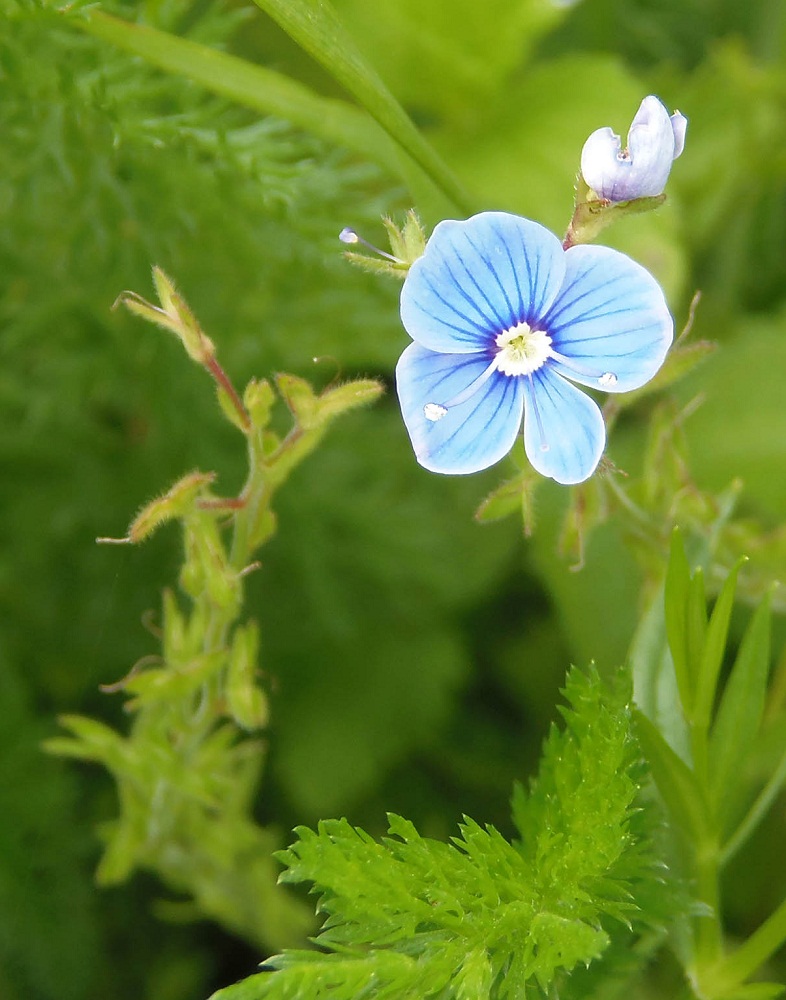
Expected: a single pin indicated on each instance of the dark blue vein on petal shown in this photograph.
(502, 393)
(483, 330)
(525, 256)
(501, 285)
(501, 323)
(522, 311)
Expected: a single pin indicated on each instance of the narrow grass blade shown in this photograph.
(315, 26)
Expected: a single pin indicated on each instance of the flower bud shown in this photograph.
(641, 169)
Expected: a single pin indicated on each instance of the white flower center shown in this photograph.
(522, 350)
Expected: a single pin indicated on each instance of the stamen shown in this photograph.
(348, 235)
(604, 378)
(436, 411)
(544, 446)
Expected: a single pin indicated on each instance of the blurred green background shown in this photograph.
(415, 657)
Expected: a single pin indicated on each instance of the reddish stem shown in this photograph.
(222, 379)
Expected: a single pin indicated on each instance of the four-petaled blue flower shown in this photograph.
(503, 322)
(640, 170)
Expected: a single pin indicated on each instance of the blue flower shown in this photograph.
(640, 170)
(504, 321)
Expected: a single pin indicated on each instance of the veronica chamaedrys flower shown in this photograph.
(504, 321)
(640, 170)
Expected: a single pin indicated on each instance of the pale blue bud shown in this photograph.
(641, 169)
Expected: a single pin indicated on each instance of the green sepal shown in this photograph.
(512, 496)
(174, 315)
(178, 501)
(171, 682)
(299, 397)
(91, 740)
(246, 701)
(230, 410)
(377, 265)
(206, 571)
(591, 214)
(263, 528)
(342, 398)
(258, 399)
(407, 242)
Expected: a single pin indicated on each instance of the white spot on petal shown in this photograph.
(434, 411)
(607, 378)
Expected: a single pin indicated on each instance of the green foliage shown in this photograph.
(411, 658)
(704, 776)
(480, 916)
(51, 949)
(186, 779)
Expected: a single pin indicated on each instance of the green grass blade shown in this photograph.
(676, 601)
(676, 782)
(714, 647)
(251, 85)
(314, 25)
(740, 712)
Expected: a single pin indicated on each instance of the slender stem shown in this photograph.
(709, 935)
(223, 380)
(756, 812)
(749, 957)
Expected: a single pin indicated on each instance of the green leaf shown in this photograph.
(676, 599)
(740, 712)
(412, 916)
(449, 58)
(249, 84)
(676, 782)
(714, 646)
(314, 25)
(654, 681)
(342, 398)
(513, 496)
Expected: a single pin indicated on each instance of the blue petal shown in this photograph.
(564, 435)
(478, 278)
(472, 435)
(610, 317)
(679, 125)
(642, 172)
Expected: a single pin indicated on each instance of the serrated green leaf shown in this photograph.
(740, 712)
(251, 988)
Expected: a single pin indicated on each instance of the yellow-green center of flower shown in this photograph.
(522, 350)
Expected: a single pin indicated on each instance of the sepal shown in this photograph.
(175, 503)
